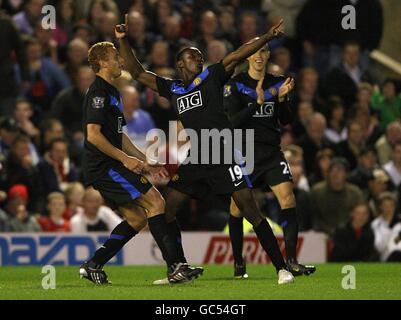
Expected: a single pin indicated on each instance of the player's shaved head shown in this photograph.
(181, 53)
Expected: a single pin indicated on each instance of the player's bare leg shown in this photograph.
(246, 203)
(288, 221)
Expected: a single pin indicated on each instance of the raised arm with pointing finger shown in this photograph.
(148, 78)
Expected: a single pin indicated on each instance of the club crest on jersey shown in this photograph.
(273, 91)
(98, 102)
(197, 81)
(189, 101)
(265, 110)
(144, 180)
(227, 90)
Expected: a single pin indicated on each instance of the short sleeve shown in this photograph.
(96, 103)
(218, 72)
(164, 86)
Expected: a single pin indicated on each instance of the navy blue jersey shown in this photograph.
(240, 104)
(102, 105)
(200, 104)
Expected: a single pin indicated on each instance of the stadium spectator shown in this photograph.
(172, 35)
(333, 199)
(386, 142)
(77, 56)
(56, 207)
(97, 9)
(367, 34)
(350, 148)
(27, 19)
(95, 216)
(355, 241)
(159, 55)
(23, 114)
(11, 45)
(336, 131)
(56, 168)
(138, 121)
(248, 27)
(371, 130)
(46, 78)
(227, 29)
(364, 96)
(83, 32)
(208, 31)
(74, 195)
(378, 183)
(162, 12)
(20, 169)
(20, 220)
(66, 17)
(304, 207)
(282, 58)
(322, 166)
(307, 90)
(216, 51)
(67, 106)
(139, 39)
(304, 111)
(314, 140)
(313, 16)
(393, 167)
(343, 79)
(387, 229)
(48, 44)
(107, 25)
(360, 176)
(8, 132)
(387, 102)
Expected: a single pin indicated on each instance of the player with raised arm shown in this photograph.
(198, 102)
(258, 100)
(114, 166)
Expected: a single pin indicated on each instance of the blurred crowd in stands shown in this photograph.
(344, 147)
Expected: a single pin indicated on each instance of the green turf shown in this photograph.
(373, 281)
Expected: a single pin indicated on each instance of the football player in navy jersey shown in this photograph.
(114, 166)
(198, 101)
(259, 100)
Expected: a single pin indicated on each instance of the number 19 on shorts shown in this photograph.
(235, 173)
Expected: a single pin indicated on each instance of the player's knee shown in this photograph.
(157, 205)
(287, 201)
(137, 222)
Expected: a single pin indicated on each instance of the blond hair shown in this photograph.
(99, 51)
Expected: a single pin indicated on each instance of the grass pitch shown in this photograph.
(373, 281)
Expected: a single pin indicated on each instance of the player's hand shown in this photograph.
(121, 29)
(286, 87)
(134, 164)
(260, 92)
(156, 171)
(276, 30)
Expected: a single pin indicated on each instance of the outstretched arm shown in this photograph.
(249, 48)
(133, 66)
